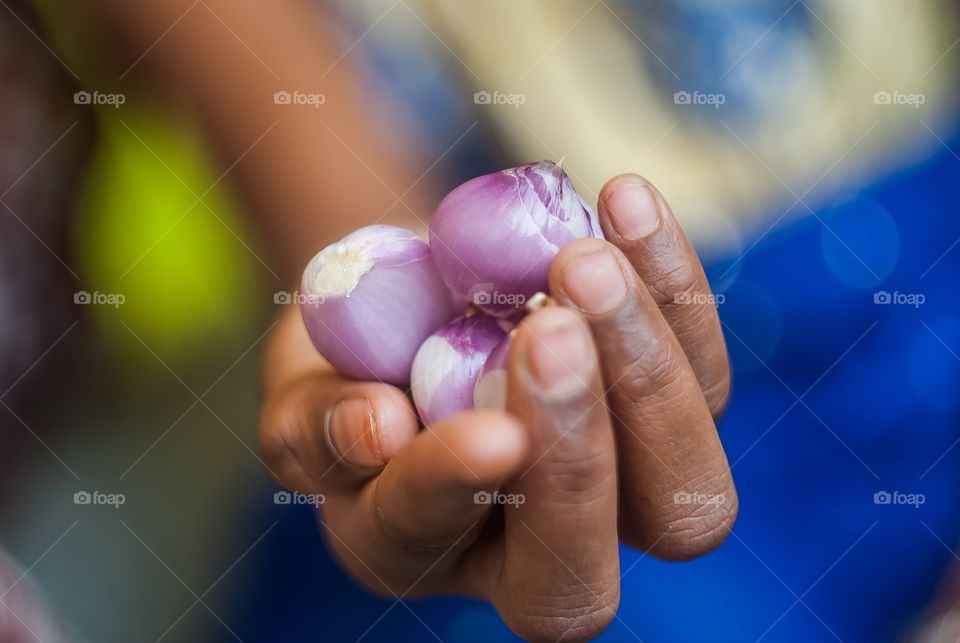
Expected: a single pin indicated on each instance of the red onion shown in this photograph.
(449, 363)
(490, 391)
(493, 237)
(371, 299)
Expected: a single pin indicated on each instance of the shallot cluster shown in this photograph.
(382, 304)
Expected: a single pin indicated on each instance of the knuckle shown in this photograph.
(282, 430)
(657, 367)
(579, 616)
(576, 462)
(577, 468)
(285, 442)
(415, 542)
(676, 285)
(685, 299)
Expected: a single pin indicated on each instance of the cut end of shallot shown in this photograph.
(337, 270)
(540, 300)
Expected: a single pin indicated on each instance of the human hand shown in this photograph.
(608, 436)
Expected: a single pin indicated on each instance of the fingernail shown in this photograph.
(559, 359)
(595, 282)
(633, 210)
(350, 429)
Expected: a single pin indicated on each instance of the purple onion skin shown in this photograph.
(449, 363)
(372, 331)
(493, 237)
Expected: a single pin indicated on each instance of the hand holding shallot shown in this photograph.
(608, 434)
(376, 298)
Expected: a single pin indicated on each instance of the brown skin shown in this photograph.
(599, 460)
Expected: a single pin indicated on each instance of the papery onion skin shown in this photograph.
(490, 391)
(371, 329)
(449, 363)
(493, 237)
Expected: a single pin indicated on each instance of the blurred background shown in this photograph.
(165, 171)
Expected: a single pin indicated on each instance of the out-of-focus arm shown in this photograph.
(319, 172)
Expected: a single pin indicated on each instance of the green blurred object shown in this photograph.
(142, 232)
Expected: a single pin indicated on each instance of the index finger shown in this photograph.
(320, 432)
(323, 433)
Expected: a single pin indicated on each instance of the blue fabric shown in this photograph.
(880, 420)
